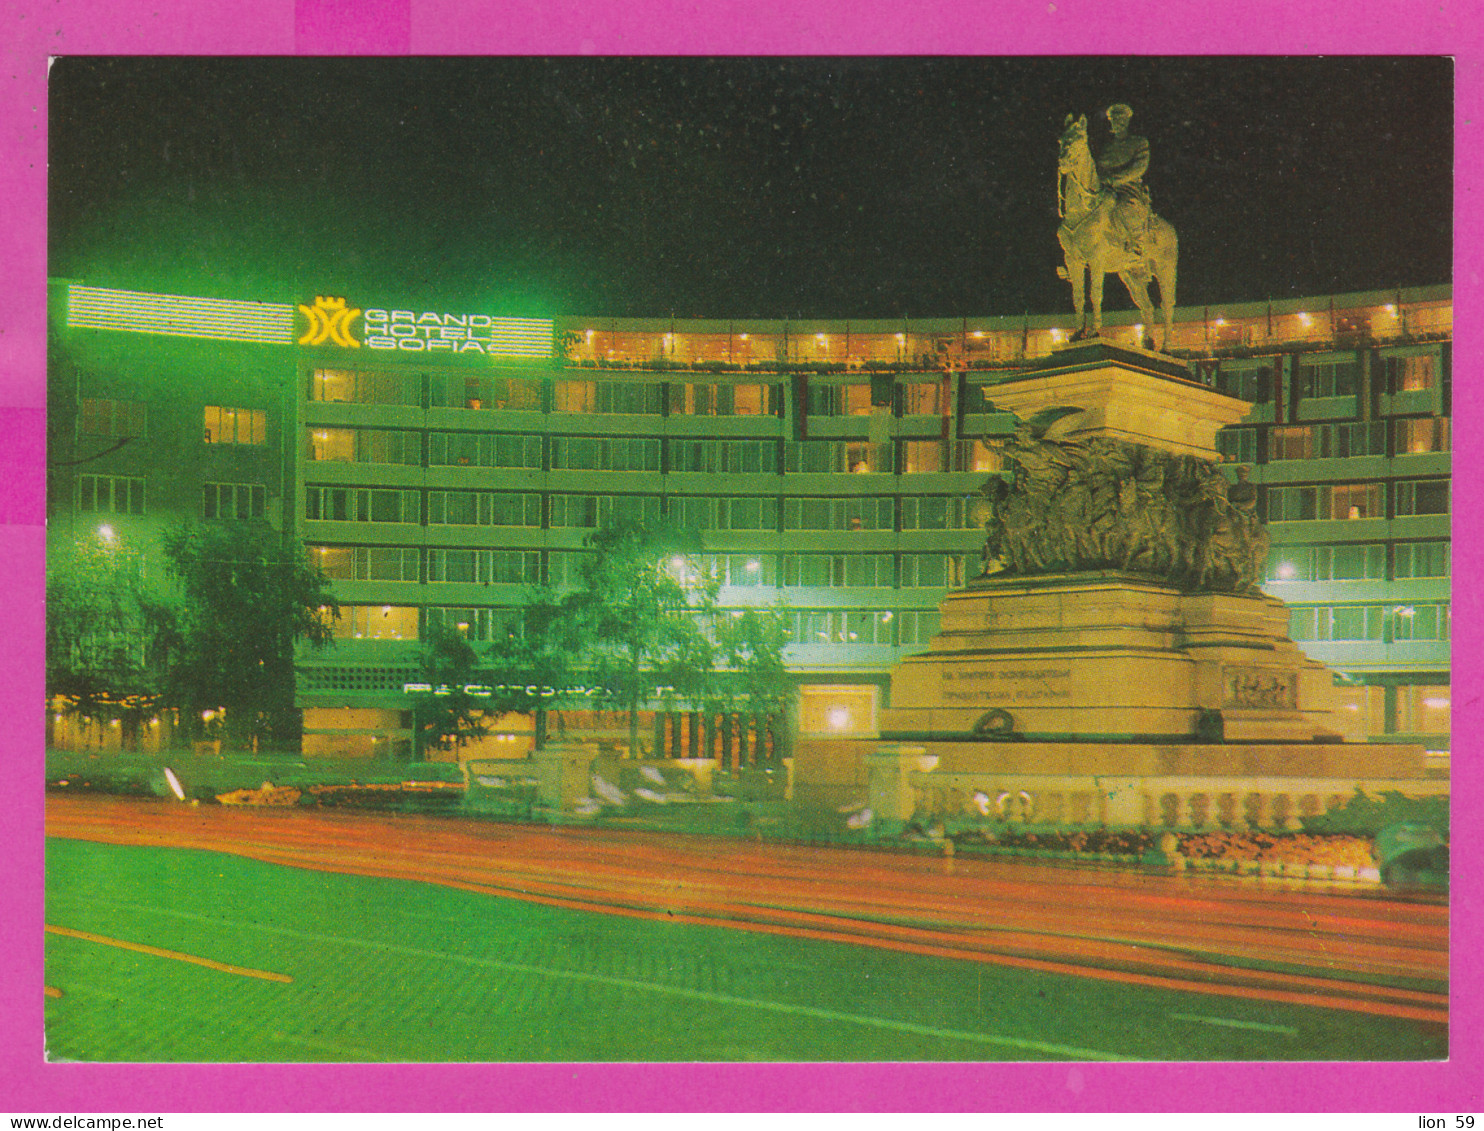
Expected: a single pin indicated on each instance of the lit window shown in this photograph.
(235, 425)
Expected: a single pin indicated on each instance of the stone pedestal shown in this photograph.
(892, 796)
(562, 772)
(1111, 697)
(1110, 657)
(1123, 393)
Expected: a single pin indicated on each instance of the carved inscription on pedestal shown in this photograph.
(1260, 687)
(991, 687)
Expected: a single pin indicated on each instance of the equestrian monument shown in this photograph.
(1116, 662)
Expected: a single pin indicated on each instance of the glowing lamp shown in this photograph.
(1286, 572)
(839, 718)
(105, 532)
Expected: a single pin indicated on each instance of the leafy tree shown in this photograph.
(542, 656)
(750, 645)
(248, 595)
(639, 614)
(448, 716)
(110, 636)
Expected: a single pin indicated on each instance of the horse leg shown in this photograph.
(1138, 290)
(1167, 296)
(1097, 298)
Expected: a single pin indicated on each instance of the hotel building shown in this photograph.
(439, 464)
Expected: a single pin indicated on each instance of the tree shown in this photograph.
(750, 645)
(449, 715)
(110, 636)
(248, 595)
(640, 612)
(532, 666)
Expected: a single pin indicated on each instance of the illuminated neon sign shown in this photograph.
(329, 320)
(179, 316)
(434, 332)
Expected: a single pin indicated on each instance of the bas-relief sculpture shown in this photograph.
(1065, 506)
(1108, 226)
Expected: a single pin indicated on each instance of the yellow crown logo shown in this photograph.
(329, 320)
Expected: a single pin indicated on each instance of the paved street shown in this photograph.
(218, 933)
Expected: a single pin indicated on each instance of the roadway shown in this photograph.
(1275, 951)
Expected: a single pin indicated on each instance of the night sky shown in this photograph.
(732, 188)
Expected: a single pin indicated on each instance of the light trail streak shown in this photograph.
(160, 952)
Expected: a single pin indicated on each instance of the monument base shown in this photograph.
(1110, 657)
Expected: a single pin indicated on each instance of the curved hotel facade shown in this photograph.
(439, 464)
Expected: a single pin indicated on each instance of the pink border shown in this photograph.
(33, 28)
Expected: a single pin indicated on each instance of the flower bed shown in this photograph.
(1325, 854)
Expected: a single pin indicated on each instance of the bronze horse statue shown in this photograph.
(1091, 245)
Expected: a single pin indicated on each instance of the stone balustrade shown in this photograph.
(1096, 801)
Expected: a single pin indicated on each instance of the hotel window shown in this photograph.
(483, 449)
(376, 622)
(1336, 622)
(1361, 561)
(591, 511)
(721, 400)
(564, 569)
(1237, 445)
(836, 455)
(843, 626)
(514, 394)
(483, 508)
(838, 570)
(351, 386)
(586, 453)
(478, 624)
(922, 456)
(110, 494)
(233, 500)
(923, 399)
(1421, 559)
(1421, 622)
(743, 512)
(236, 425)
(631, 398)
(1424, 434)
(365, 445)
(1325, 501)
(367, 563)
(1423, 709)
(937, 512)
(1421, 496)
(1246, 381)
(1412, 373)
(1332, 377)
(484, 567)
(934, 571)
(837, 514)
(914, 627)
(745, 571)
(839, 400)
(1328, 441)
(361, 504)
(976, 455)
(724, 457)
(110, 417)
